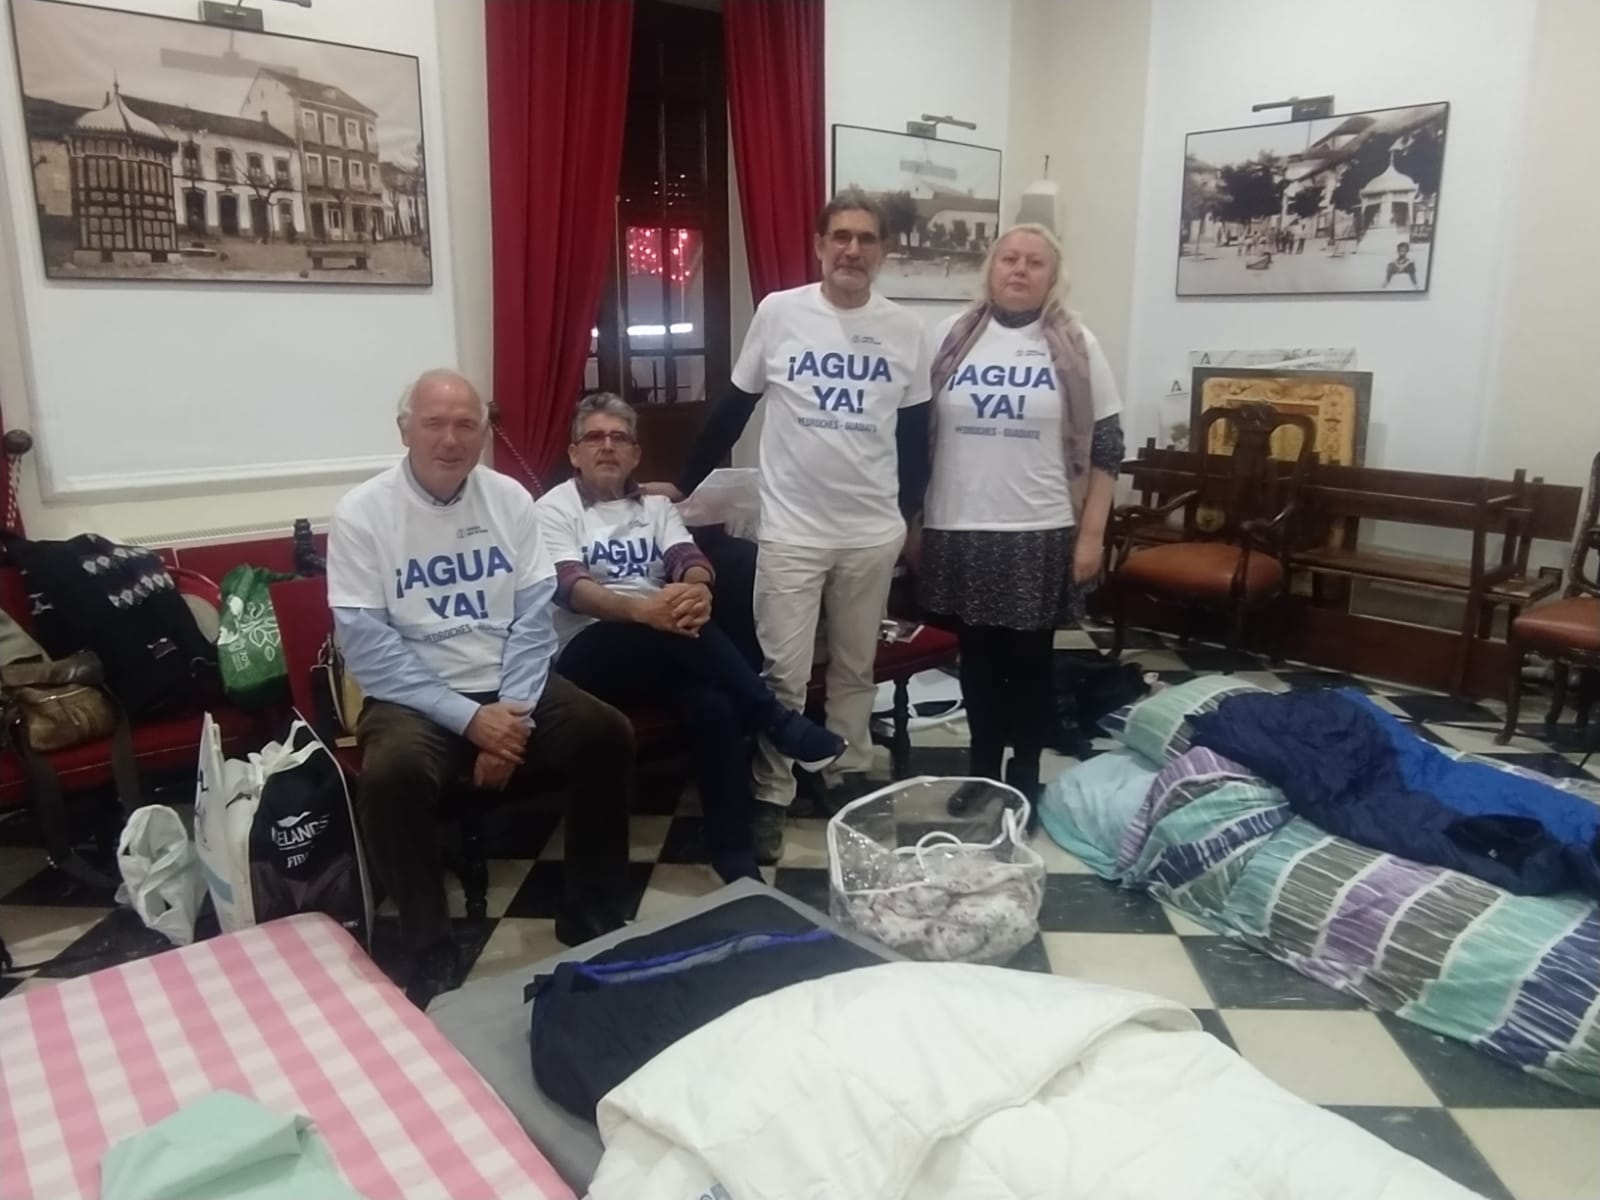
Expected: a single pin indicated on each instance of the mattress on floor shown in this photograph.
(487, 1022)
(1516, 976)
(293, 1014)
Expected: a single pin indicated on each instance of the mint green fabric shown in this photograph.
(223, 1147)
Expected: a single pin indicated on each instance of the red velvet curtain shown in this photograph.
(775, 81)
(558, 88)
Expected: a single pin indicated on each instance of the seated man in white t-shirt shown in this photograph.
(441, 593)
(635, 601)
(844, 462)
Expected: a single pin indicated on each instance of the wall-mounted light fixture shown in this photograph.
(928, 126)
(1311, 108)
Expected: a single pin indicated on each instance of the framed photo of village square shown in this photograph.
(165, 149)
(1336, 204)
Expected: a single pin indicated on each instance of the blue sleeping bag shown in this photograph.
(1353, 770)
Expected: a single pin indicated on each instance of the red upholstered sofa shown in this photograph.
(304, 622)
(163, 744)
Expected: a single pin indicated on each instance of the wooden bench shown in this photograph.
(1334, 499)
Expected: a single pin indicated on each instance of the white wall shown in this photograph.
(1078, 95)
(1431, 355)
(182, 357)
(1545, 407)
(890, 61)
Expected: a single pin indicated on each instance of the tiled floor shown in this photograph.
(1495, 1130)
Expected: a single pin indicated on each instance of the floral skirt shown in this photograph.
(1020, 580)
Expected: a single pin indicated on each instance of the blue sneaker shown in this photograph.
(810, 745)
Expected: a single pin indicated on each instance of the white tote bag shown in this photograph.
(224, 806)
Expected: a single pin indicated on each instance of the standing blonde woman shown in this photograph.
(1026, 445)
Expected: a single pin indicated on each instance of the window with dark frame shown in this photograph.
(662, 333)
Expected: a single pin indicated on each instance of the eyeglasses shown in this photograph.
(843, 237)
(603, 437)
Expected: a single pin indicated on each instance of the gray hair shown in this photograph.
(852, 199)
(607, 404)
(437, 375)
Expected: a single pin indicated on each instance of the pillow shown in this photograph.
(1158, 726)
(1087, 809)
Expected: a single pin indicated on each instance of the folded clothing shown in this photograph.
(224, 1145)
(1352, 775)
(597, 1022)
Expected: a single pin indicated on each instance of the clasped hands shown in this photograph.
(680, 608)
(500, 731)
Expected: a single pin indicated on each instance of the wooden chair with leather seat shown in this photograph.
(1242, 564)
(1566, 631)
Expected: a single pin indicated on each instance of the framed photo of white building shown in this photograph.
(1333, 205)
(165, 149)
(941, 201)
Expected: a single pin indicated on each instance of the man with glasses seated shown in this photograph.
(844, 464)
(634, 598)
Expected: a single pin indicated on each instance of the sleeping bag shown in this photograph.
(1354, 774)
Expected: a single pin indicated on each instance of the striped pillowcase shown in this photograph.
(1158, 726)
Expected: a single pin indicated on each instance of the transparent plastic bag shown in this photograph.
(937, 869)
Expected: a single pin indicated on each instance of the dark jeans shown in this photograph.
(734, 560)
(1010, 698)
(712, 691)
(408, 763)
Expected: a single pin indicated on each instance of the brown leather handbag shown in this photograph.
(55, 705)
(46, 706)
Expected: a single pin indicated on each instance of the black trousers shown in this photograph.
(1007, 684)
(408, 763)
(711, 689)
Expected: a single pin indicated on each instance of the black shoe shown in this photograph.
(577, 924)
(731, 868)
(852, 785)
(436, 968)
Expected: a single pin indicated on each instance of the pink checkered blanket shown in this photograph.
(292, 1013)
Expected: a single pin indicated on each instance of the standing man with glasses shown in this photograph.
(844, 464)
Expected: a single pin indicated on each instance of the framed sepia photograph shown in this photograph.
(1334, 205)
(164, 149)
(941, 201)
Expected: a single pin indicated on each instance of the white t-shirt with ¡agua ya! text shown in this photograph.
(997, 455)
(835, 381)
(621, 543)
(446, 574)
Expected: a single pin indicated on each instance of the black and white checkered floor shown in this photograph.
(1496, 1131)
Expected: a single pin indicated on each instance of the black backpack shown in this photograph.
(88, 593)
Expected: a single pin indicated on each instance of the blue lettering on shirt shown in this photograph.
(996, 375)
(993, 406)
(833, 366)
(623, 557)
(447, 570)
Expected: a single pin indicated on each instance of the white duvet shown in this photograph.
(925, 1080)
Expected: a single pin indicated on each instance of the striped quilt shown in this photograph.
(1517, 976)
